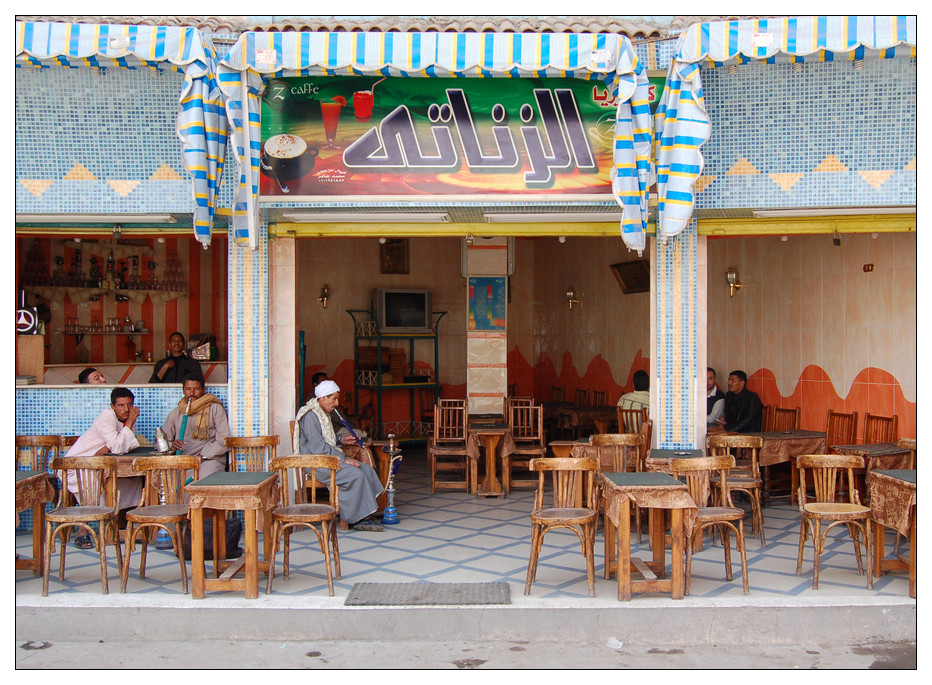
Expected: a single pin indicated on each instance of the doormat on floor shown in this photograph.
(427, 594)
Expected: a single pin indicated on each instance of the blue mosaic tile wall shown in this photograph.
(71, 411)
(102, 142)
(677, 348)
(826, 135)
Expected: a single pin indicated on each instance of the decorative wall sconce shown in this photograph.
(571, 297)
(469, 239)
(733, 282)
(324, 295)
(117, 231)
(836, 238)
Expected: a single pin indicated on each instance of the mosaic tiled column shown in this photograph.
(248, 336)
(678, 321)
(487, 351)
(283, 336)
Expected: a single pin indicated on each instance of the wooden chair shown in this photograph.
(880, 428)
(630, 420)
(824, 470)
(96, 482)
(582, 398)
(446, 450)
(910, 444)
(165, 477)
(698, 472)
(766, 418)
(251, 454)
(428, 400)
(784, 419)
(509, 402)
(617, 452)
(598, 398)
(36, 452)
(306, 511)
(527, 428)
(840, 429)
(556, 393)
(647, 432)
(567, 474)
(745, 477)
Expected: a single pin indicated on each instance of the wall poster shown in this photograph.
(487, 303)
(367, 135)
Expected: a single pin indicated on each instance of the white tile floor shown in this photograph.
(455, 537)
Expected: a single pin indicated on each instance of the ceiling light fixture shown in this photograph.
(96, 218)
(565, 218)
(368, 217)
(830, 211)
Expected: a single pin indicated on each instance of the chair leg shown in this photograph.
(286, 553)
(588, 550)
(724, 530)
(336, 551)
(176, 544)
(143, 550)
(802, 542)
(47, 556)
(689, 561)
(853, 530)
(759, 511)
(271, 573)
(102, 546)
(818, 544)
(868, 550)
(506, 475)
(325, 543)
(742, 548)
(124, 572)
(536, 539)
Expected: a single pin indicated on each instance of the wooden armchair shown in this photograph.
(824, 470)
(306, 511)
(564, 513)
(880, 429)
(96, 483)
(727, 518)
(446, 450)
(165, 477)
(527, 428)
(251, 454)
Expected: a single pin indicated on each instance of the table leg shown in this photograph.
(490, 486)
(623, 536)
(676, 533)
(38, 536)
(197, 553)
(912, 557)
(879, 534)
(252, 551)
(657, 534)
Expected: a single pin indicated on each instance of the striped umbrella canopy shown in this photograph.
(201, 122)
(681, 122)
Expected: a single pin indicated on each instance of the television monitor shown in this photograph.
(399, 310)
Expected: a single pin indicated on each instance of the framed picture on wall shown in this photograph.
(394, 256)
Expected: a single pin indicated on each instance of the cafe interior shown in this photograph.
(819, 310)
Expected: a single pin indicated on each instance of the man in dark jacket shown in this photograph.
(743, 408)
(177, 364)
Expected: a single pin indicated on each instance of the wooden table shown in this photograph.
(562, 448)
(490, 434)
(784, 446)
(660, 460)
(879, 455)
(893, 505)
(250, 491)
(33, 490)
(656, 492)
(581, 417)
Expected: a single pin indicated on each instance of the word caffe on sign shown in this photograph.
(406, 136)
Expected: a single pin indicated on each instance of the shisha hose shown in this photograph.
(348, 427)
(184, 423)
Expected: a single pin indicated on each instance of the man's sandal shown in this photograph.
(83, 542)
(368, 525)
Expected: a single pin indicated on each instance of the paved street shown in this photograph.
(451, 655)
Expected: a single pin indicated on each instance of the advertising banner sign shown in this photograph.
(362, 135)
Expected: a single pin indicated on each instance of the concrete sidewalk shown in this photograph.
(453, 655)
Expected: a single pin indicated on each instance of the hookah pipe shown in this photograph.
(348, 427)
(390, 515)
(184, 423)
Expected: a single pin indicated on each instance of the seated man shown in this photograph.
(111, 433)
(715, 399)
(640, 398)
(358, 482)
(743, 408)
(177, 364)
(205, 429)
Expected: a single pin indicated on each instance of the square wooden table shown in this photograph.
(250, 491)
(661, 460)
(893, 505)
(656, 492)
(878, 455)
(33, 490)
(780, 447)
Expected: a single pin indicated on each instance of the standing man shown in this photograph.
(205, 430)
(743, 408)
(177, 364)
(111, 433)
(715, 399)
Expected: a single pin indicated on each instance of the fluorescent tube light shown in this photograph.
(829, 211)
(96, 218)
(564, 218)
(369, 217)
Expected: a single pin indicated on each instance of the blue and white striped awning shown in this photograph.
(201, 125)
(681, 121)
(608, 58)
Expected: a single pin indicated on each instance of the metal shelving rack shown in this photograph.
(366, 329)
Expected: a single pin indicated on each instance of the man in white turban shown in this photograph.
(358, 482)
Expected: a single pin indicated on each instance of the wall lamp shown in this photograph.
(117, 231)
(733, 282)
(324, 295)
(571, 297)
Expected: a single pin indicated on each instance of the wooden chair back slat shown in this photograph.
(304, 468)
(823, 471)
(744, 448)
(37, 451)
(567, 474)
(165, 476)
(698, 473)
(784, 419)
(618, 452)
(253, 453)
(840, 429)
(527, 424)
(630, 420)
(880, 428)
(96, 480)
(450, 424)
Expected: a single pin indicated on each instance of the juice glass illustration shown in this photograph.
(362, 104)
(330, 112)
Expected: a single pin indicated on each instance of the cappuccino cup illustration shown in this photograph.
(287, 157)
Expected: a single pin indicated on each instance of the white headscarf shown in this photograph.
(325, 388)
